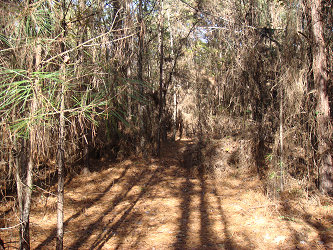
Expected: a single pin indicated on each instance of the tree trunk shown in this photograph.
(61, 142)
(142, 138)
(160, 112)
(319, 67)
(25, 162)
(175, 111)
(17, 157)
(281, 141)
(25, 217)
(23, 191)
(60, 203)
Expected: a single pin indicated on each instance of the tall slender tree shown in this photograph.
(161, 85)
(61, 137)
(320, 75)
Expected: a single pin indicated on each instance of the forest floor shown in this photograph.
(164, 204)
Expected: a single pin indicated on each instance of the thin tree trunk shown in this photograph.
(20, 162)
(140, 38)
(25, 163)
(324, 126)
(60, 204)
(174, 86)
(85, 146)
(199, 101)
(281, 141)
(61, 141)
(175, 113)
(17, 158)
(25, 227)
(24, 198)
(140, 78)
(160, 113)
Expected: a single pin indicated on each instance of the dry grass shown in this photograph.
(159, 204)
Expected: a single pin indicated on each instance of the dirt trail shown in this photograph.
(164, 204)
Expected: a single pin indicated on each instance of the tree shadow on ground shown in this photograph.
(187, 189)
(112, 229)
(193, 159)
(323, 226)
(53, 234)
(131, 212)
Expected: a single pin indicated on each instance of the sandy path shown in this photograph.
(161, 205)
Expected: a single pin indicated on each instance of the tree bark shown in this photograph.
(142, 109)
(324, 125)
(160, 112)
(25, 216)
(61, 181)
(175, 111)
(61, 142)
(25, 161)
(281, 141)
(23, 191)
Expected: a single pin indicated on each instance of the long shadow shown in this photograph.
(137, 221)
(288, 212)
(208, 238)
(228, 242)
(324, 232)
(186, 192)
(182, 235)
(81, 211)
(89, 230)
(107, 235)
(192, 160)
(205, 225)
